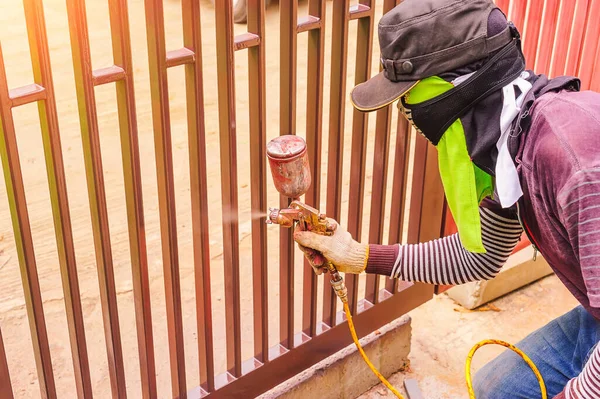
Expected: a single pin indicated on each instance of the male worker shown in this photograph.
(512, 146)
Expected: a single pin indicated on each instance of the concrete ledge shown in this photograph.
(345, 375)
(520, 270)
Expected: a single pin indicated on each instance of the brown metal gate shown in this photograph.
(299, 346)
(407, 188)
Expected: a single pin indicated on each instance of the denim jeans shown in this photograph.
(560, 349)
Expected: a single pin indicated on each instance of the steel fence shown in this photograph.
(559, 37)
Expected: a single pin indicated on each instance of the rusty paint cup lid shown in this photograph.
(287, 146)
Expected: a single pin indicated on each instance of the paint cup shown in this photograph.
(288, 159)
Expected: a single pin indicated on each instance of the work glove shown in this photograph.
(346, 254)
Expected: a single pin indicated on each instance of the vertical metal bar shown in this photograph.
(448, 224)
(40, 59)
(258, 172)
(595, 82)
(418, 185)
(447, 228)
(531, 31)
(192, 40)
(5, 385)
(432, 208)
(166, 193)
(88, 120)
(519, 10)
(577, 34)
(15, 191)
(400, 182)
(380, 162)
(547, 36)
(380, 166)
(507, 8)
(504, 5)
(590, 42)
(121, 43)
(364, 50)
(562, 40)
(339, 54)
(231, 253)
(288, 13)
(314, 127)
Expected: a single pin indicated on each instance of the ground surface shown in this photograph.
(436, 325)
(443, 334)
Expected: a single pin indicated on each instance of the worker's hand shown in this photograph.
(348, 255)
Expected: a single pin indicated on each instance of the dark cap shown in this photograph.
(423, 38)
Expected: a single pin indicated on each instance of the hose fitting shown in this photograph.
(338, 285)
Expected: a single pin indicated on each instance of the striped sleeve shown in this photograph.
(446, 261)
(579, 209)
(587, 384)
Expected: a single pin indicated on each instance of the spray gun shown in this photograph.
(288, 159)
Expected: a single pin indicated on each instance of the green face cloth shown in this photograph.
(465, 185)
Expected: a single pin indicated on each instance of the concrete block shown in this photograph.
(520, 270)
(345, 374)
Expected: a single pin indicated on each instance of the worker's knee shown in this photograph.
(487, 385)
(507, 376)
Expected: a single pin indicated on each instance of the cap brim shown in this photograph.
(378, 92)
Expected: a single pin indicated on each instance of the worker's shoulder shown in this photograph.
(565, 129)
(559, 106)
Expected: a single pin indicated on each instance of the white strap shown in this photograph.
(508, 186)
(462, 78)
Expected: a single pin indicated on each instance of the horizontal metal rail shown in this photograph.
(27, 94)
(106, 75)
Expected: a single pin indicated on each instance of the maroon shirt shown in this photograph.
(559, 168)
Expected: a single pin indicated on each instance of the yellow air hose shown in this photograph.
(467, 365)
(511, 347)
(364, 355)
